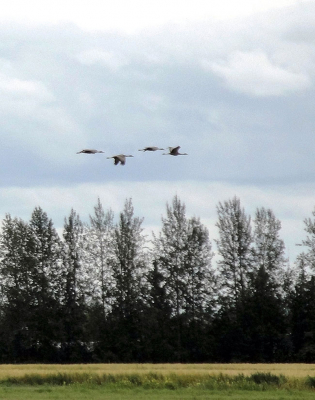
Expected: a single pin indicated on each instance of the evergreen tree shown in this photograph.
(128, 273)
(264, 319)
(302, 299)
(170, 250)
(200, 293)
(73, 305)
(199, 272)
(47, 253)
(157, 343)
(302, 307)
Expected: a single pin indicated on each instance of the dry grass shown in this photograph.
(288, 370)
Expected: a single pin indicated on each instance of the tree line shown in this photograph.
(103, 292)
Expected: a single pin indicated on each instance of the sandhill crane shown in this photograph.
(90, 151)
(173, 151)
(121, 158)
(151, 148)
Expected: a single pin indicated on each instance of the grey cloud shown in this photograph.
(254, 74)
(119, 93)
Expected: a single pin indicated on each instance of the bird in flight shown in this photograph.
(151, 148)
(173, 151)
(121, 158)
(90, 151)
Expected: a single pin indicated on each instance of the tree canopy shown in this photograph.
(103, 292)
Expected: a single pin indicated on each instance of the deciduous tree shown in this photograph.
(18, 273)
(268, 247)
(235, 248)
(129, 269)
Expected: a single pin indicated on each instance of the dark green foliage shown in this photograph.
(310, 382)
(19, 295)
(128, 266)
(264, 319)
(182, 255)
(154, 380)
(103, 294)
(267, 377)
(46, 285)
(302, 306)
(73, 307)
(158, 319)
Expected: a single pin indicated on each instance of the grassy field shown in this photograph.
(289, 370)
(84, 392)
(158, 381)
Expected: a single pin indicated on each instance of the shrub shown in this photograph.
(267, 378)
(310, 382)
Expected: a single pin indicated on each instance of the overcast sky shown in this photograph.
(231, 82)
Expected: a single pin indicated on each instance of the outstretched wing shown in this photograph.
(174, 150)
(87, 151)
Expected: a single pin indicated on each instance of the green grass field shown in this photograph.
(86, 392)
(158, 381)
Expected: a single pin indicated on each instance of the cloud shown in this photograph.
(253, 73)
(33, 120)
(21, 96)
(130, 17)
(105, 58)
(63, 88)
(17, 88)
(100, 90)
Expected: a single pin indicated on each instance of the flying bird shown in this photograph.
(173, 151)
(151, 148)
(121, 158)
(90, 151)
